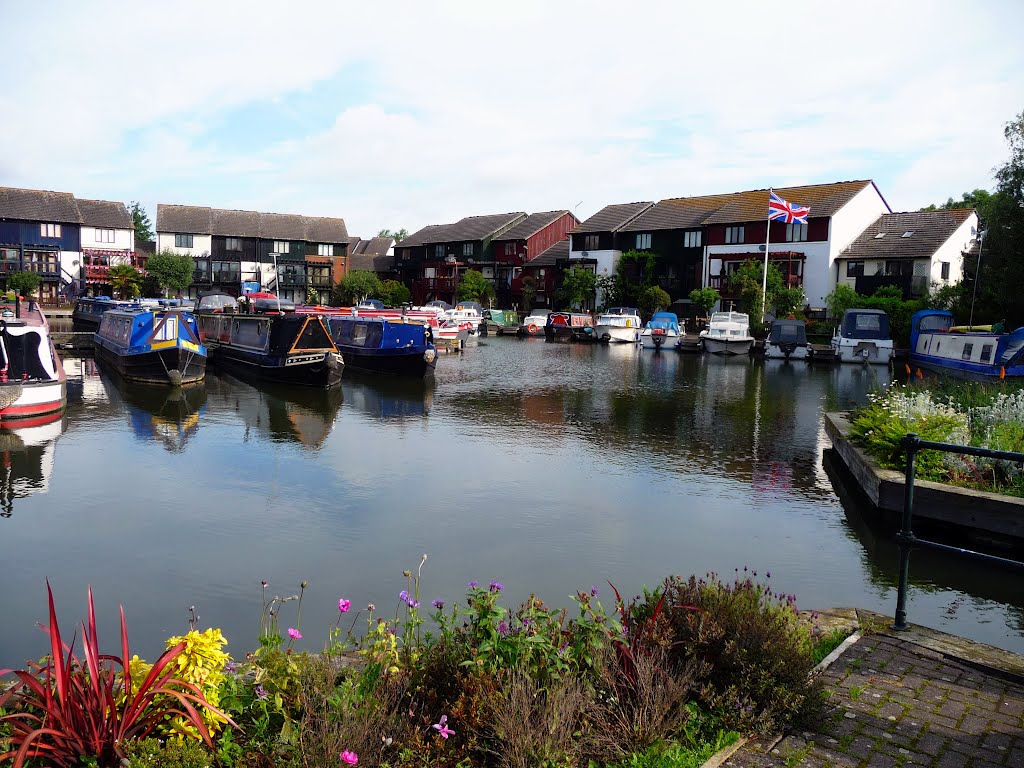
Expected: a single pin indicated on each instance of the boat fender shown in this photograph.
(174, 377)
(532, 328)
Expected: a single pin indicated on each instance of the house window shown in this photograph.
(945, 270)
(591, 242)
(183, 241)
(467, 249)
(968, 349)
(232, 244)
(899, 268)
(325, 249)
(796, 233)
(510, 249)
(986, 353)
(855, 269)
(439, 251)
(281, 246)
(643, 241)
(733, 235)
(691, 239)
(104, 235)
(49, 230)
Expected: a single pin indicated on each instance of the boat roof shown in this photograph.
(788, 321)
(665, 316)
(863, 312)
(622, 311)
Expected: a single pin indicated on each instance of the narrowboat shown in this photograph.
(662, 330)
(501, 322)
(534, 323)
(618, 324)
(270, 341)
(979, 353)
(787, 340)
(569, 326)
(383, 346)
(89, 310)
(728, 333)
(863, 337)
(152, 346)
(33, 386)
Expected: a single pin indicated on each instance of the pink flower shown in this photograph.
(294, 634)
(349, 757)
(344, 605)
(441, 726)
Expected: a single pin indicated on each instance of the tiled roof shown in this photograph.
(680, 213)
(531, 225)
(549, 257)
(467, 229)
(823, 199)
(355, 243)
(611, 217)
(38, 205)
(374, 262)
(105, 213)
(425, 235)
(929, 231)
(200, 220)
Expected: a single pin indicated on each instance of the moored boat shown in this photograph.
(863, 337)
(89, 310)
(662, 330)
(501, 322)
(728, 333)
(269, 342)
(534, 324)
(151, 347)
(982, 354)
(33, 386)
(618, 324)
(384, 346)
(787, 340)
(569, 326)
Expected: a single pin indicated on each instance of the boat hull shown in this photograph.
(616, 334)
(387, 363)
(174, 366)
(727, 347)
(776, 352)
(659, 341)
(871, 351)
(320, 370)
(31, 403)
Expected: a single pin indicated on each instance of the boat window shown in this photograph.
(359, 335)
(936, 323)
(986, 353)
(968, 349)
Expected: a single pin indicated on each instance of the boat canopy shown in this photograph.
(469, 305)
(217, 301)
(665, 320)
(932, 320)
(622, 311)
(740, 318)
(865, 324)
(788, 332)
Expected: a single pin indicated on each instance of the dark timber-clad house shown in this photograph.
(594, 240)
(520, 245)
(375, 255)
(235, 247)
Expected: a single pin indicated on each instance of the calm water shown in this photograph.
(547, 467)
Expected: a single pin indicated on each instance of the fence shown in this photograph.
(906, 538)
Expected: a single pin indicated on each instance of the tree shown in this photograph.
(842, 298)
(607, 287)
(473, 286)
(399, 234)
(653, 299)
(172, 271)
(705, 299)
(789, 301)
(140, 220)
(578, 286)
(746, 282)
(529, 290)
(634, 273)
(126, 280)
(357, 285)
(393, 293)
(23, 283)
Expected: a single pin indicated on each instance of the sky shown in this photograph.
(402, 114)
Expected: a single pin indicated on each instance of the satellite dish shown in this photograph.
(760, 248)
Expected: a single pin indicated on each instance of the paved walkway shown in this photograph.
(897, 702)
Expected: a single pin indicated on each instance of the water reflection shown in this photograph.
(26, 461)
(388, 398)
(167, 415)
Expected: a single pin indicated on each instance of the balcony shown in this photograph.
(43, 268)
(435, 283)
(320, 281)
(721, 283)
(201, 276)
(96, 272)
(292, 279)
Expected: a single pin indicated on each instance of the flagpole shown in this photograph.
(767, 240)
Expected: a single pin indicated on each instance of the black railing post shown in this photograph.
(905, 538)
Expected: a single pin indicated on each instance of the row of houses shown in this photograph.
(851, 236)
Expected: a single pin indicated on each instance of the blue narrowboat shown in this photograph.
(387, 346)
(979, 353)
(152, 346)
(89, 310)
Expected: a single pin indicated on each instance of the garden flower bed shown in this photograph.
(667, 677)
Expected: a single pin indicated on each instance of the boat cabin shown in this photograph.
(666, 321)
(865, 324)
(788, 333)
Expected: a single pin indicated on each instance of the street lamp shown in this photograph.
(977, 276)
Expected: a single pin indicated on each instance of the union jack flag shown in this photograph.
(780, 210)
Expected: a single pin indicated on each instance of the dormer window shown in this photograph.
(908, 233)
(880, 235)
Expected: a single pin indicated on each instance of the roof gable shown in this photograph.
(531, 225)
(105, 213)
(38, 205)
(611, 217)
(929, 231)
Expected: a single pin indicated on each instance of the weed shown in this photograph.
(856, 691)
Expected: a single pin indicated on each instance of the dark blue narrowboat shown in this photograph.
(152, 346)
(264, 339)
(390, 347)
(980, 353)
(89, 310)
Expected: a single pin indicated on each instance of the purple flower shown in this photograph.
(473, 584)
(441, 726)
(413, 603)
(502, 628)
(344, 605)
(261, 692)
(593, 591)
(294, 634)
(403, 596)
(496, 586)
(439, 604)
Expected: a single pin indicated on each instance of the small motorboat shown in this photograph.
(728, 333)
(863, 337)
(618, 324)
(787, 340)
(662, 330)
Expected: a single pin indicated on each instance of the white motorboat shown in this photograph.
(618, 324)
(863, 337)
(662, 330)
(787, 340)
(534, 324)
(728, 333)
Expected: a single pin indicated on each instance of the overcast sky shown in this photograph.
(394, 114)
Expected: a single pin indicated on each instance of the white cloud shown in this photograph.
(436, 111)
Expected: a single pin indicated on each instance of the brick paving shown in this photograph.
(896, 703)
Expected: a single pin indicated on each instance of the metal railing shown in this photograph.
(906, 539)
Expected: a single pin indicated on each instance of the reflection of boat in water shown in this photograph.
(26, 461)
(167, 415)
(389, 398)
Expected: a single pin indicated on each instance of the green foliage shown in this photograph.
(887, 298)
(473, 286)
(152, 753)
(529, 290)
(312, 296)
(172, 271)
(842, 298)
(126, 280)
(675, 755)
(705, 299)
(354, 287)
(747, 281)
(23, 283)
(201, 662)
(634, 273)
(789, 301)
(825, 644)
(140, 220)
(578, 287)
(653, 299)
(393, 293)
(398, 234)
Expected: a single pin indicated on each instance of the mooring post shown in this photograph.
(905, 538)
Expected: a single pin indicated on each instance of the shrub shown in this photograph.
(705, 299)
(755, 651)
(201, 662)
(653, 299)
(151, 753)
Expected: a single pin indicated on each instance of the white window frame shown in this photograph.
(183, 240)
(643, 241)
(281, 246)
(104, 235)
(228, 241)
(49, 230)
(325, 249)
(796, 233)
(692, 239)
(734, 235)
